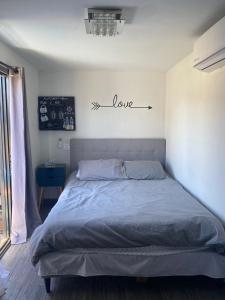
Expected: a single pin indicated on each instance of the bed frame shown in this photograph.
(137, 149)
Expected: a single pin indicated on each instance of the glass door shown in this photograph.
(5, 176)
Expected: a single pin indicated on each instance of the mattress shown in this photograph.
(126, 214)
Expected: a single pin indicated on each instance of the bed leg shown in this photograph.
(47, 284)
(141, 279)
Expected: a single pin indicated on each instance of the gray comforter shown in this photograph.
(126, 213)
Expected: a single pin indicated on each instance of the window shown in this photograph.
(5, 176)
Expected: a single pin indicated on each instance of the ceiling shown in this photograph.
(158, 33)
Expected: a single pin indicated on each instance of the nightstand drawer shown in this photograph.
(51, 176)
(51, 172)
(51, 181)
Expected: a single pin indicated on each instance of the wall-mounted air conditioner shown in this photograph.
(209, 49)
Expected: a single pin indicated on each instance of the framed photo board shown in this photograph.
(56, 113)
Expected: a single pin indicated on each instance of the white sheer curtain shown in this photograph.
(25, 215)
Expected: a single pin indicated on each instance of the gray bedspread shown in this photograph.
(126, 213)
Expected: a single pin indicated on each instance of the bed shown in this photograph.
(141, 228)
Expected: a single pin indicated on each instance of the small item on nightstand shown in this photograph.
(50, 174)
(49, 164)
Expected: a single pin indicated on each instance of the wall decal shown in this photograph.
(116, 103)
(56, 113)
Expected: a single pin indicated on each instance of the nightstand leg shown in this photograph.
(40, 196)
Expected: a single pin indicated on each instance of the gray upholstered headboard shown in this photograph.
(126, 149)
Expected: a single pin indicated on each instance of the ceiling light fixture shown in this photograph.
(104, 22)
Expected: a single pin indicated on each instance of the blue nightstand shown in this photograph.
(50, 176)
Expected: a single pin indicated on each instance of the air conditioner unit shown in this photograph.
(209, 49)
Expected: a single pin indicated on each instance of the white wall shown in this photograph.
(144, 88)
(8, 56)
(195, 132)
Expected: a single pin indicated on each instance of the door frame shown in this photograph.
(5, 161)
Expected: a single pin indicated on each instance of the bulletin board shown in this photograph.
(56, 113)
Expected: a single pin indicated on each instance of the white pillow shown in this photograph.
(142, 169)
(102, 169)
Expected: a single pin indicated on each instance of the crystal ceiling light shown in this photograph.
(104, 22)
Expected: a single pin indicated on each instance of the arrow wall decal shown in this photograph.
(148, 107)
(118, 104)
